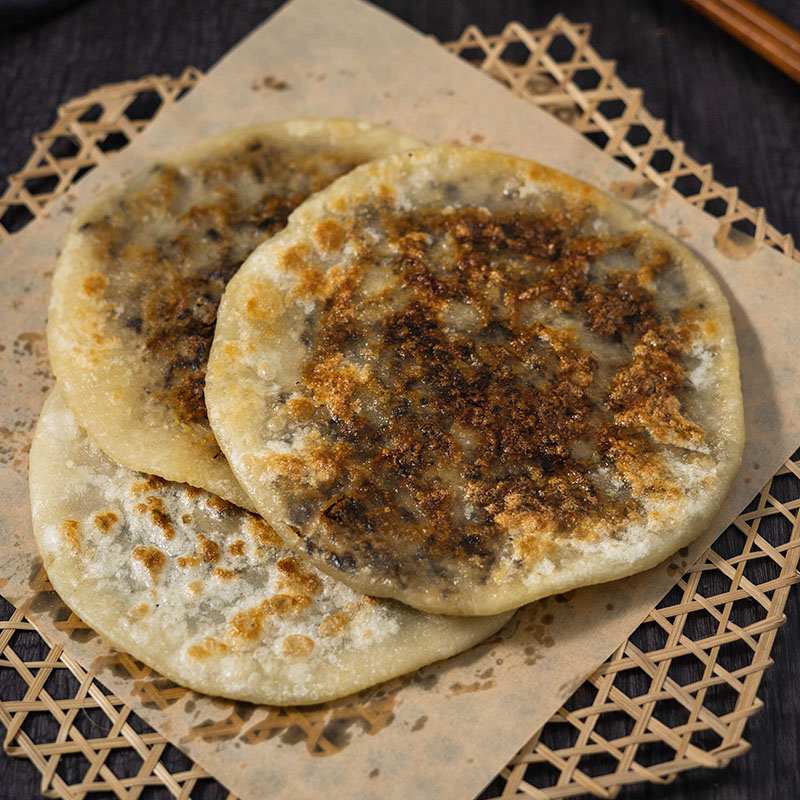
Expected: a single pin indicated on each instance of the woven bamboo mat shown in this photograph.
(675, 696)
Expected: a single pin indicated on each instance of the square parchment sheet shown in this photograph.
(447, 730)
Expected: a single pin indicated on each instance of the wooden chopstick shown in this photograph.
(757, 29)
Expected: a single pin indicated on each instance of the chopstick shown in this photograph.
(757, 29)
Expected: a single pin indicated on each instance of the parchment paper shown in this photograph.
(446, 731)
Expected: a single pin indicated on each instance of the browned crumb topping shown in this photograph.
(635, 461)
(645, 393)
(248, 196)
(300, 408)
(440, 436)
(620, 306)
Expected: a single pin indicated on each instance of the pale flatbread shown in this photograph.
(204, 592)
(467, 381)
(139, 278)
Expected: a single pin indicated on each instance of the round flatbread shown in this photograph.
(466, 381)
(140, 275)
(204, 592)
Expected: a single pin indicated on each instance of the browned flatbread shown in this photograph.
(466, 381)
(138, 282)
(204, 592)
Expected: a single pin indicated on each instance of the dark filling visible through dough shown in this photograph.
(170, 246)
(441, 437)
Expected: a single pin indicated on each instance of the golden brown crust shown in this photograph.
(221, 607)
(480, 382)
(152, 558)
(500, 405)
(142, 272)
(105, 521)
(181, 277)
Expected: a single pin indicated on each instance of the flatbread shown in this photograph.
(467, 381)
(141, 272)
(204, 592)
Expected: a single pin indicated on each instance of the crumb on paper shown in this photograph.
(270, 82)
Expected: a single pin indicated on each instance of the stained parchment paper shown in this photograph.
(446, 731)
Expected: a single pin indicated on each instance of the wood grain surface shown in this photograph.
(730, 107)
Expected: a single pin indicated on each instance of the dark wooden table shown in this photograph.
(730, 108)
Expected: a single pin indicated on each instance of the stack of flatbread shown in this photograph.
(332, 404)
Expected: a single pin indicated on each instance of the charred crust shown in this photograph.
(497, 426)
(620, 306)
(185, 273)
